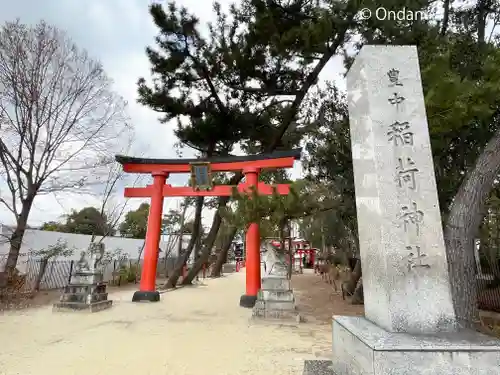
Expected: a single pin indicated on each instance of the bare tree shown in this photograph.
(60, 248)
(184, 205)
(193, 244)
(59, 120)
(110, 192)
(175, 229)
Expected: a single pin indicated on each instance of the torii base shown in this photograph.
(248, 301)
(141, 296)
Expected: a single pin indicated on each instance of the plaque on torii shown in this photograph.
(201, 176)
(201, 184)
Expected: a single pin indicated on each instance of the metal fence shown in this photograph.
(55, 274)
(36, 274)
(47, 274)
(39, 274)
(488, 278)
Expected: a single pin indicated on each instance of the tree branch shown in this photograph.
(310, 80)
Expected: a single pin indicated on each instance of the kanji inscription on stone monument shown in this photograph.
(405, 173)
(406, 283)
(393, 75)
(406, 170)
(411, 216)
(416, 259)
(396, 99)
(398, 216)
(400, 134)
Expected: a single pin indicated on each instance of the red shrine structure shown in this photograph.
(301, 248)
(201, 185)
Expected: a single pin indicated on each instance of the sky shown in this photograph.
(116, 32)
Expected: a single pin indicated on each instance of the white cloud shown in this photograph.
(116, 33)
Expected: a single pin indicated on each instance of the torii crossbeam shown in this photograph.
(201, 185)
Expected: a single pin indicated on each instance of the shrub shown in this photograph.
(133, 271)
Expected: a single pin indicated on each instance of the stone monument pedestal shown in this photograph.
(410, 325)
(276, 301)
(86, 291)
(361, 347)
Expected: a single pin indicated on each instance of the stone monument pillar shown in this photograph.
(410, 325)
(86, 289)
(275, 300)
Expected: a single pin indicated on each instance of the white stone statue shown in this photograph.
(96, 251)
(274, 264)
(83, 264)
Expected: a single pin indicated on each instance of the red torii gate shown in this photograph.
(200, 170)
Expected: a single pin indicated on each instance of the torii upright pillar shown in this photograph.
(252, 244)
(201, 185)
(148, 280)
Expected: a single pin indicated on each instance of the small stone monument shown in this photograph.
(86, 289)
(275, 300)
(410, 325)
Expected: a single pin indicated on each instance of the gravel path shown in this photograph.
(191, 331)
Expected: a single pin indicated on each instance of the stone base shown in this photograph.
(83, 297)
(79, 278)
(277, 295)
(79, 306)
(85, 288)
(277, 283)
(276, 302)
(275, 305)
(247, 301)
(361, 347)
(278, 315)
(142, 296)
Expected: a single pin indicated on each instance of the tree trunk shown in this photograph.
(352, 235)
(291, 115)
(323, 242)
(281, 229)
(446, 17)
(483, 10)
(222, 258)
(290, 250)
(462, 227)
(214, 230)
(41, 273)
(172, 280)
(208, 245)
(180, 238)
(16, 240)
(198, 246)
(141, 250)
(350, 286)
(358, 297)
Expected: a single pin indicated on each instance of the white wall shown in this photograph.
(35, 240)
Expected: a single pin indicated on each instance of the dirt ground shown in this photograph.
(29, 300)
(46, 297)
(318, 301)
(165, 336)
(160, 338)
